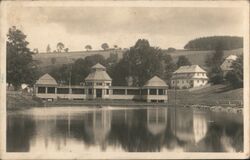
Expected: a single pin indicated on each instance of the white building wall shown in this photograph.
(199, 82)
(63, 96)
(181, 83)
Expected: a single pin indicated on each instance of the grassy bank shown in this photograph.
(18, 101)
(213, 95)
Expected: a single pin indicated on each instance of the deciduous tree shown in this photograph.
(88, 47)
(60, 46)
(183, 61)
(105, 46)
(213, 64)
(235, 76)
(20, 65)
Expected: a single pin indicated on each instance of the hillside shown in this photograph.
(198, 57)
(45, 59)
(216, 94)
(195, 57)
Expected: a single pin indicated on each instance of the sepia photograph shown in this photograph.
(123, 79)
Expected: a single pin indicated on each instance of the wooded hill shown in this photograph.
(211, 43)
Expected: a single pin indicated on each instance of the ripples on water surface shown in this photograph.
(79, 129)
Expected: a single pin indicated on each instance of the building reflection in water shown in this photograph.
(199, 125)
(157, 120)
(97, 125)
(182, 125)
(131, 130)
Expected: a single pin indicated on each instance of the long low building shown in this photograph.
(98, 85)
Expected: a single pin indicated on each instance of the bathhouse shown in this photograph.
(98, 85)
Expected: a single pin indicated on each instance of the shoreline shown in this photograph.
(130, 104)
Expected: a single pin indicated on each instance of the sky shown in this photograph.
(164, 27)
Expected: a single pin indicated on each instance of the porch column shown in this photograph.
(46, 90)
(157, 91)
(55, 90)
(36, 89)
(126, 91)
(94, 92)
(148, 91)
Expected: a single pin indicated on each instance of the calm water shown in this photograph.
(77, 129)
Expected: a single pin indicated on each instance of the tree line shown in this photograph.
(210, 43)
(138, 64)
(60, 47)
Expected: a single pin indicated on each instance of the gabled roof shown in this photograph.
(98, 76)
(155, 82)
(190, 69)
(98, 66)
(232, 57)
(46, 79)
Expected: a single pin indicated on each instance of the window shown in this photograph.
(108, 84)
(63, 90)
(203, 81)
(182, 81)
(198, 81)
(99, 84)
(177, 81)
(107, 91)
(78, 91)
(119, 91)
(161, 92)
(51, 89)
(152, 91)
(173, 82)
(160, 101)
(41, 90)
(133, 91)
(89, 83)
(90, 91)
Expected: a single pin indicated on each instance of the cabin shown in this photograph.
(189, 77)
(98, 85)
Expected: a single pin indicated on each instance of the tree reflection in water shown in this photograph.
(132, 130)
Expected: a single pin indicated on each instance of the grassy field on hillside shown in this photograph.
(195, 57)
(213, 95)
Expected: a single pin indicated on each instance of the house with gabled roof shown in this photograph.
(189, 77)
(226, 66)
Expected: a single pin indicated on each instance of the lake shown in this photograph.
(117, 129)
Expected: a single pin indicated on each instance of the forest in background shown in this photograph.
(210, 43)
